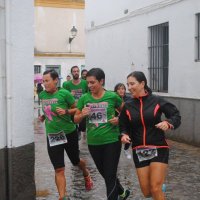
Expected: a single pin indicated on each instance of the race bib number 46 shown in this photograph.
(57, 139)
(98, 115)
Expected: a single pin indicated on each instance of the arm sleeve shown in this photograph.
(64, 85)
(70, 99)
(118, 101)
(87, 89)
(124, 123)
(80, 103)
(171, 113)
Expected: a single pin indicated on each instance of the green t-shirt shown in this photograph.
(99, 130)
(55, 123)
(77, 90)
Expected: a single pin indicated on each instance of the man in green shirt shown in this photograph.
(77, 87)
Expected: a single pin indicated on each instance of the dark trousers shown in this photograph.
(106, 158)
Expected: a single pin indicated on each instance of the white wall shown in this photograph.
(65, 63)
(120, 43)
(103, 11)
(2, 76)
(18, 66)
(52, 29)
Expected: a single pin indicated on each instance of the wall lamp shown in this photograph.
(73, 34)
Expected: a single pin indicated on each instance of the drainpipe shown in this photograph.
(9, 97)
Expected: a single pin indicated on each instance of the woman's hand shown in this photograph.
(79, 115)
(61, 111)
(125, 139)
(114, 120)
(85, 112)
(164, 125)
(41, 118)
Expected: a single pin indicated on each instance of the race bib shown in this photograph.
(146, 153)
(98, 115)
(77, 94)
(57, 139)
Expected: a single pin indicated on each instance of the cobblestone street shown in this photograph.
(182, 182)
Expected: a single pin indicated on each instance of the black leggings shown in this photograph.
(106, 158)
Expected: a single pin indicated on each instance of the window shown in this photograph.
(37, 69)
(197, 38)
(159, 57)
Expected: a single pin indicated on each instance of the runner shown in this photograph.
(61, 132)
(68, 78)
(98, 107)
(77, 87)
(120, 89)
(141, 124)
(84, 74)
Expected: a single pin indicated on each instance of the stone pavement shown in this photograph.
(183, 180)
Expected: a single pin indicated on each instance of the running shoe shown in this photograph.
(125, 195)
(88, 182)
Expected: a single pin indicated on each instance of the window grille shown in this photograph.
(159, 57)
(37, 69)
(197, 38)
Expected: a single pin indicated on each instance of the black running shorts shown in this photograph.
(56, 153)
(163, 156)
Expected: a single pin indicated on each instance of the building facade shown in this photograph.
(16, 100)
(160, 38)
(55, 46)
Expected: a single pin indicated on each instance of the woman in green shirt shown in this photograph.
(98, 107)
(58, 105)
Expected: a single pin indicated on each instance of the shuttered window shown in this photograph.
(159, 57)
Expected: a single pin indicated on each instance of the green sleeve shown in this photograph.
(41, 94)
(70, 99)
(118, 101)
(64, 85)
(86, 86)
(80, 104)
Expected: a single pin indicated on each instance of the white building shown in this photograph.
(54, 20)
(16, 100)
(158, 37)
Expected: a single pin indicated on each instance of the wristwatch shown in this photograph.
(66, 111)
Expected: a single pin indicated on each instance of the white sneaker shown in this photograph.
(127, 154)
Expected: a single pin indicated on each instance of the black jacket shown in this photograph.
(127, 98)
(139, 117)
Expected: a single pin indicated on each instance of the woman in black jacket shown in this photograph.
(141, 125)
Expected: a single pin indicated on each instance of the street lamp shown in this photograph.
(73, 34)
